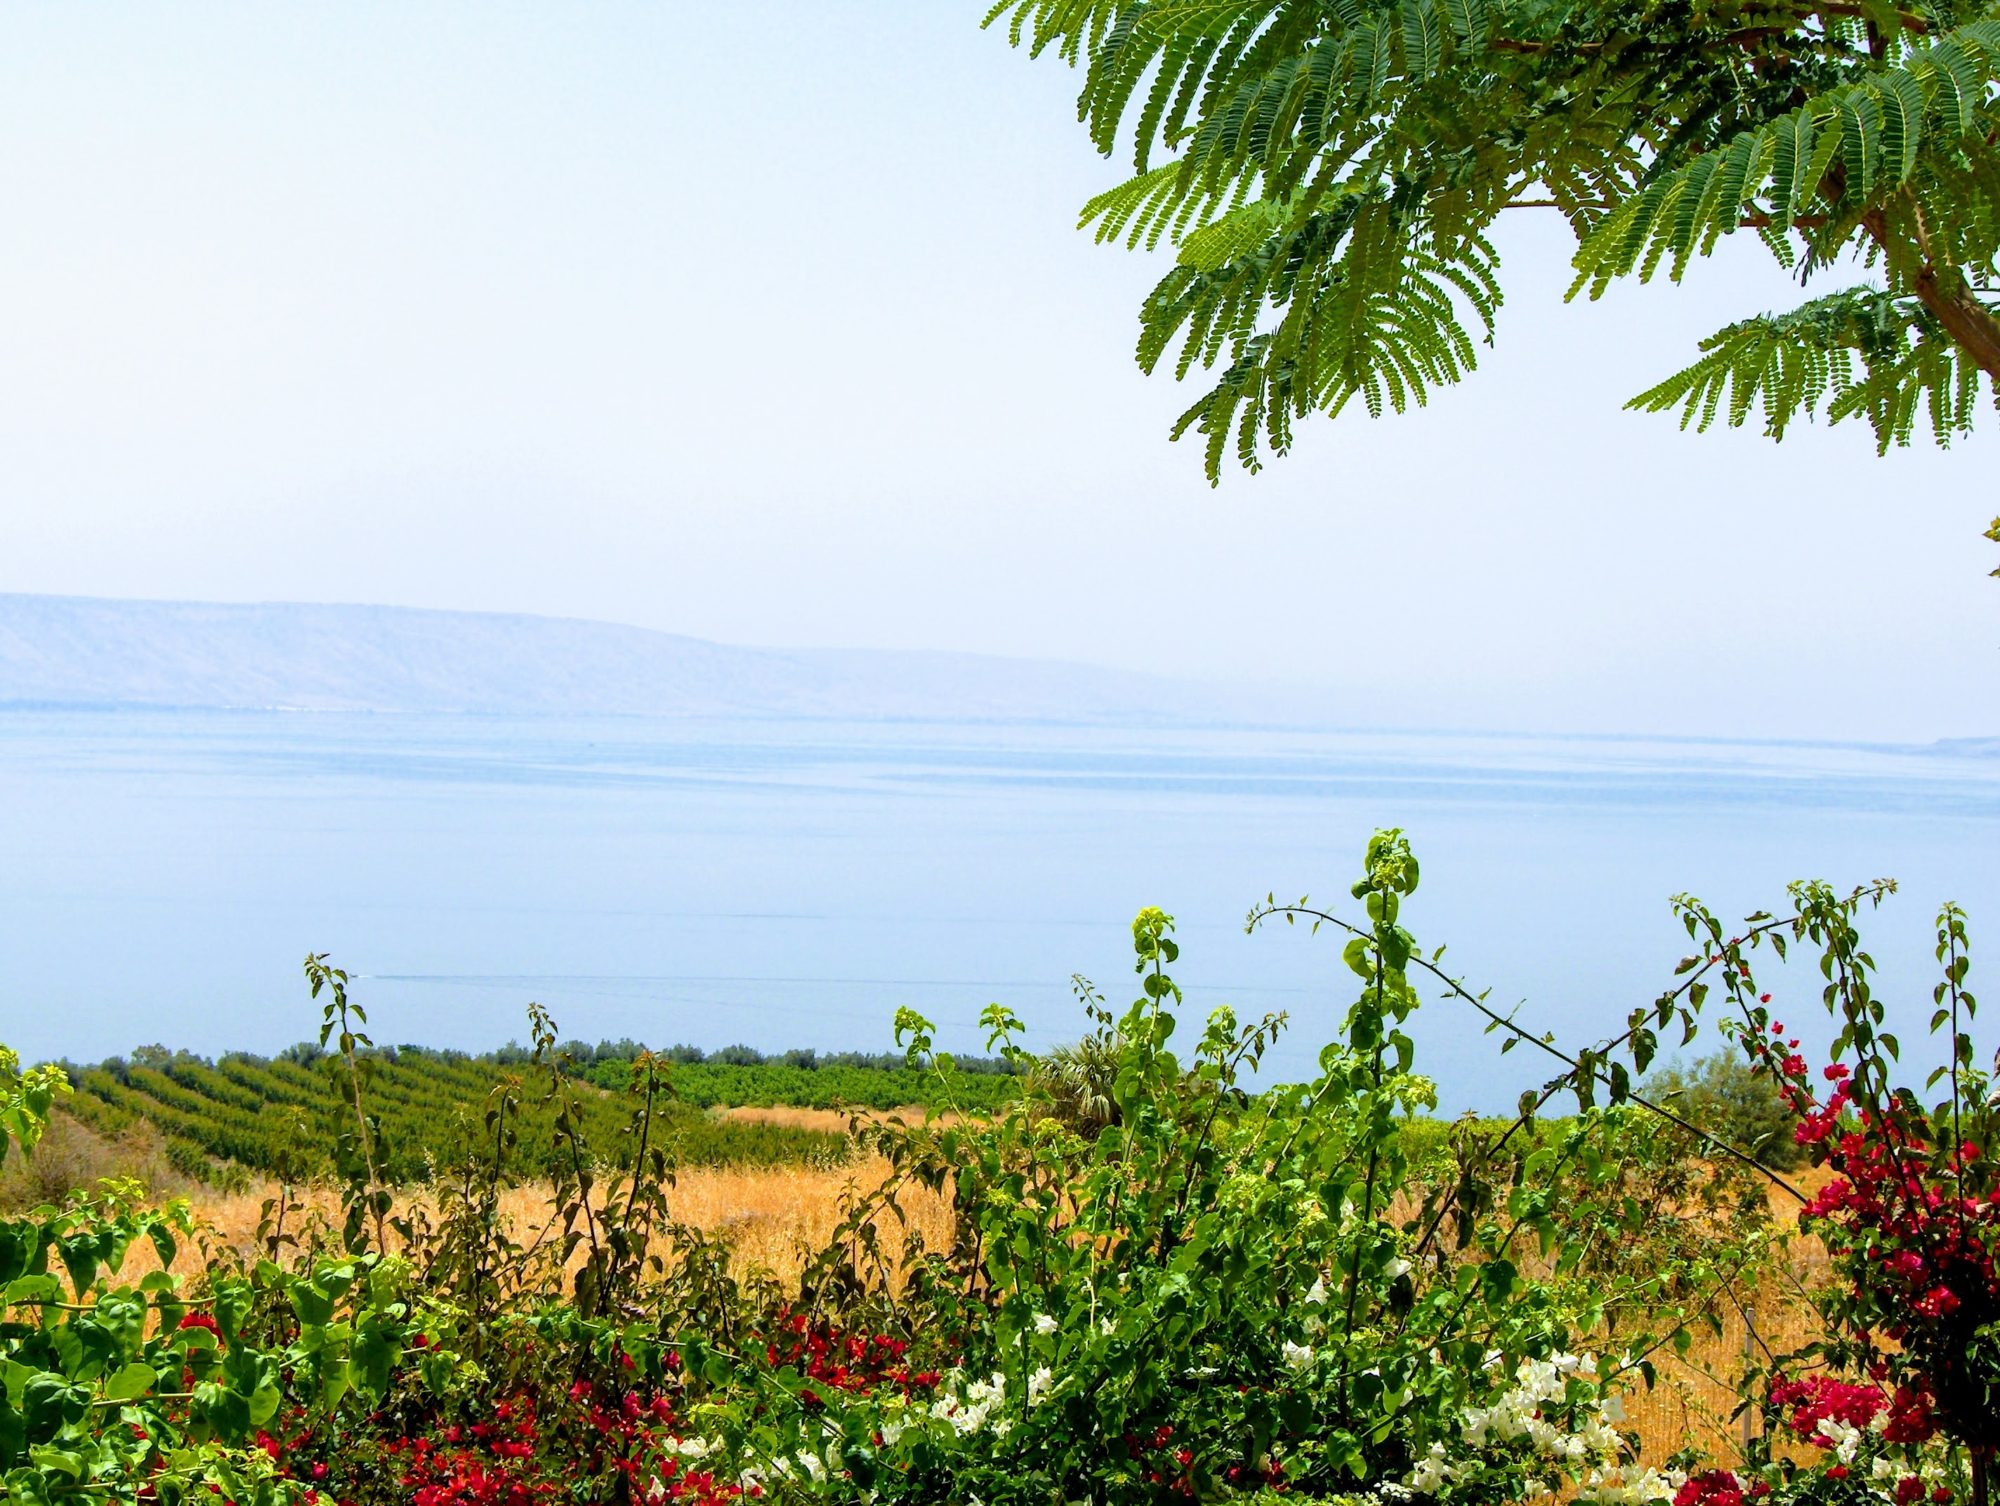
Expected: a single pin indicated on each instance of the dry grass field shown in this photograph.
(1696, 1394)
(772, 1217)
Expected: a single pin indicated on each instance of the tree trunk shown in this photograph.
(1944, 291)
(1978, 1457)
(1969, 322)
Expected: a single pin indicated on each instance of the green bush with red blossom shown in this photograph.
(1911, 1217)
(1208, 1289)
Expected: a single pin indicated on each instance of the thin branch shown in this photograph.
(1458, 991)
(1904, 19)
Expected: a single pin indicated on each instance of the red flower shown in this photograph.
(1718, 1487)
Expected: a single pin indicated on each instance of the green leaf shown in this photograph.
(1468, 22)
(62, 1461)
(1423, 38)
(1791, 164)
(26, 1289)
(163, 1243)
(28, 1486)
(1902, 107)
(135, 1380)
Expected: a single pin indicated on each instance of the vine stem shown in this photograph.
(1374, 1153)
(1457, 990)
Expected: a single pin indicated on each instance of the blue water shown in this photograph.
(790, 884)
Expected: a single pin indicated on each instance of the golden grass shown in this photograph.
(1697, 1392)
(773, 1217)
(829, 1121)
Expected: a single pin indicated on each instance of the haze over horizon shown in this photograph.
(772, 327)
(106, 653)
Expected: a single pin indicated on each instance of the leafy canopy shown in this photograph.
(1329, 173)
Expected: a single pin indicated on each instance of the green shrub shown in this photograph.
(1725, 1096)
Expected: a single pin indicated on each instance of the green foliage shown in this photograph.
(1202, 1291)
(1218, 1290)
(1333, 170)
(1787, 365)
(284, 1118)
(776, 1083)
(108, 1385)
(1729, 1098)
(25, 1101)
(1074, 1084)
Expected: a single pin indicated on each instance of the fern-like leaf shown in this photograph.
(1875, 129)
(1859, 353)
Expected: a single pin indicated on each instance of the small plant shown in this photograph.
(368, 1197)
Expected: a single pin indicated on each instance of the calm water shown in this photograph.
(162, 874)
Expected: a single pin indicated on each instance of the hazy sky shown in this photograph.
(769, 323)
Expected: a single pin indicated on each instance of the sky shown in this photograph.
(770, 324)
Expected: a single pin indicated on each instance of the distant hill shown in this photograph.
(86, 651)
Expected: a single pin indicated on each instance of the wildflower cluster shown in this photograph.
(1554, 1423)
(522, 1454)
(1911, 1219)
(831, 1359)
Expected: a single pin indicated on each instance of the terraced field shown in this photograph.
(281, 1117)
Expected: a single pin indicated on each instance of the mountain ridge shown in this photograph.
(82, 652)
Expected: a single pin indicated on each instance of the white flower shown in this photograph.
(1317, 1296)
(1397, 1267)
(1044, 1323)
(1846, 1439)
(1611, 1487)
(1039, 1385)
(1431, 1472)
(968, 1409)
(1612, 1409)
(1298, 1356)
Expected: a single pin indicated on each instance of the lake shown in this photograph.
(791, 883)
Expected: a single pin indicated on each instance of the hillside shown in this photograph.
(282, 1116)
(86, 651)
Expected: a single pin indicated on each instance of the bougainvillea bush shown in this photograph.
(1911, 1215)
(1169, 1280)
